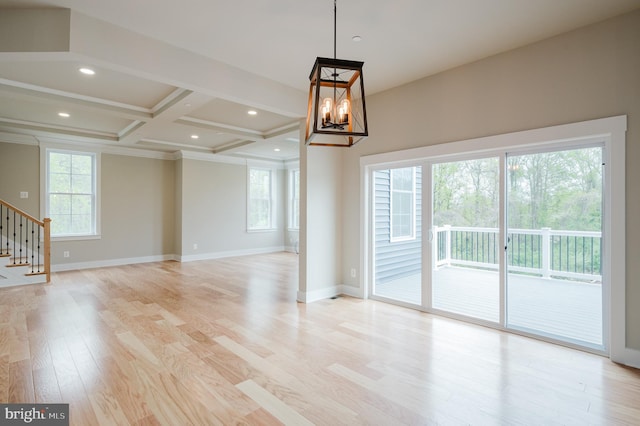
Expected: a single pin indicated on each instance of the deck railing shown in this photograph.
(543, 252)
(25, 240)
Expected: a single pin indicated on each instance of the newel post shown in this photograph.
(47, 247)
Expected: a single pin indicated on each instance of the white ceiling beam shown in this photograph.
(120, 49)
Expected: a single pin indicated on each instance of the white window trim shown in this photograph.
(610, 130)
(412, 236)
(291, 196)
(272, 195)
(44, 184)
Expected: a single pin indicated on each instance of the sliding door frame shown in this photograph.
(611, 132)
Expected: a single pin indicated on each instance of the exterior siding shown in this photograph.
(395, 259)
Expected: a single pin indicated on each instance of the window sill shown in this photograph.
(76, 237)
(401, 239)
(254, 231)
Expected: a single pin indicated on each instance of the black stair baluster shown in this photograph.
(33, 234)
(20, 242)
(14, 238)
(8, 229)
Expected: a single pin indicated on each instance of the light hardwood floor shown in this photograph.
(224, 342)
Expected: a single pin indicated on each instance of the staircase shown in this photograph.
(25, 247)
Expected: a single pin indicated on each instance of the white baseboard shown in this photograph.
(348, 290)
(111, 262)
(291, 249)
(160, 258)
(315, 295)
(627, 356)
(328, 292)
(230, 253)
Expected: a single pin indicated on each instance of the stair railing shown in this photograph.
(25, 239)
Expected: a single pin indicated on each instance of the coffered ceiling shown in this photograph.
(183, 76)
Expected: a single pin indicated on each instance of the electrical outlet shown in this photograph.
(195, 246)
(65, 254)
(353, 272)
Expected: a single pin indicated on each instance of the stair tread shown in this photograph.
(17, 264)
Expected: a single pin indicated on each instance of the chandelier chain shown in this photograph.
(335, 25)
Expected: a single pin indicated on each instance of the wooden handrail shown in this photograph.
(23, 213)
(46, 225)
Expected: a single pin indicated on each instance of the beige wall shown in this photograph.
(137, 212)
(128, 184)
(589, 73)
(320, 215)
(20, 172)
(152, 208)
(214, 200)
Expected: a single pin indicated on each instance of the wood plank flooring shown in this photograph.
(224, 342)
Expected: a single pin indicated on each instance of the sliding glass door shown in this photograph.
(512, 240)
(465, 242)
(554, 246)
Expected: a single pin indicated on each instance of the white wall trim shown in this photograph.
(628, 356)
(329, 292)
(230, 253)
(351, 291)
(78, 143)
(205, 156)
(218, 158)
(554, 134)
(320, 294)
(18, 138)
(161, 258)
(291, 249)
(110, 262)
(81, 145)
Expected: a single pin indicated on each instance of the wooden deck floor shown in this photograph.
(561, 309)
(223, 342)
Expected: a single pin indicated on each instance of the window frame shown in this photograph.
(412, 235)
(272, 197)
(95, 232)
(294, 200)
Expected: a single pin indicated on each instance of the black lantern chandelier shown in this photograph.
(336, 115)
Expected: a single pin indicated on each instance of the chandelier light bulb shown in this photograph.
(327, 104)
(344, 111)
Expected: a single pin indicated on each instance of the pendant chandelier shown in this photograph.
(336, 114)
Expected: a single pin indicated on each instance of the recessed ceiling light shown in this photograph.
(356, 38)
(64, 114)
(87, 71)
(252, 112)
(276, 149)
(194, 136)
